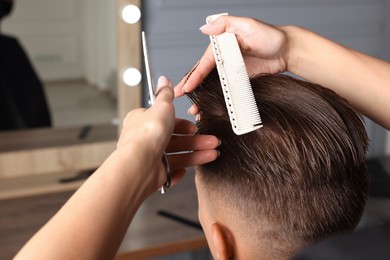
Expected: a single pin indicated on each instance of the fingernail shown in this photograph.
(219, 142)
(163, 81)
(203, 27)
(197, 118)
(218, 153)
(191, 111)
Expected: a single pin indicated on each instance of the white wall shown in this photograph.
(50, 32)
(99, 42)
(68, 39)
(176, 44)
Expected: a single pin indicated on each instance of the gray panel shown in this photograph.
(176, 43)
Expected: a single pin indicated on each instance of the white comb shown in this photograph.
(237, 90)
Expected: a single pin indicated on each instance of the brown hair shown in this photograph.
(303, 173)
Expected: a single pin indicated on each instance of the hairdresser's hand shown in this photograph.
(150, 132)
(264, 48)
(185, 149)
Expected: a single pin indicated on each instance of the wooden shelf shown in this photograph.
(47, 151)
(37, 185)
(42, 138)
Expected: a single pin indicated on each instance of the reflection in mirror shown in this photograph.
(71, 47)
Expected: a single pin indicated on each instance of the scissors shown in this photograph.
(152, 95)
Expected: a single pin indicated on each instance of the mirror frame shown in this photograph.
(129, 55)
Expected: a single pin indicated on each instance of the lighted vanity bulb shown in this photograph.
(132, 77)
(131, 14)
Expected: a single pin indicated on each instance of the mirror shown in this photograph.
(78, 49)
(71, 45)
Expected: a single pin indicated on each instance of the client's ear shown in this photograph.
(223, 244)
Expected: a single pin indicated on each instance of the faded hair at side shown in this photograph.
(303, 173)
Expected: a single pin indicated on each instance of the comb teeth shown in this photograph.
(240, 101)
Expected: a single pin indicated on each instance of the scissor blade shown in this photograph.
(147, 69)
(152, 95)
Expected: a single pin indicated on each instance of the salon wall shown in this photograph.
(176, 44)
(49, 31)
(99, 43)
(67, 39)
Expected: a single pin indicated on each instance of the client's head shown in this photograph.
(299, 178)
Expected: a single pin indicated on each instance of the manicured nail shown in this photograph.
(197, 118)
(191, 111)
(203, 27)
(163, 81)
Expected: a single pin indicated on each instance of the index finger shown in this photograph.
(196, 75)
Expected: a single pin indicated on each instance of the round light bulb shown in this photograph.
(132, 77)
(131, 14)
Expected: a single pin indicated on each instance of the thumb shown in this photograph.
(216, 27)
(164, 90)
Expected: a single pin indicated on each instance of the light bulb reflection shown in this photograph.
(131, 14)
(132, 77)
